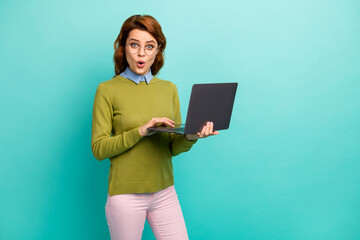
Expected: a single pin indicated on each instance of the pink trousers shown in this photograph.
(126, 214)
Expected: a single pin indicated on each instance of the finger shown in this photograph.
(168, 119)
(154, 121)
(199, 133)
(161, 121)
(203, 132)
(211, 128)
(158, 122)
(171, 124)
(207, 129)
(167, 123)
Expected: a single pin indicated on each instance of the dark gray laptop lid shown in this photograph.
(210, 102)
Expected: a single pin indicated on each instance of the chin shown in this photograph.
(142, 71)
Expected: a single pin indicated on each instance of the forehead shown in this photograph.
(142, 36)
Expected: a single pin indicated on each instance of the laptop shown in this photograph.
(211, 102)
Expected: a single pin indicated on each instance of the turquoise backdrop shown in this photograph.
(287, 169)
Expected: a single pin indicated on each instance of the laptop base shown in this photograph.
(178, 129)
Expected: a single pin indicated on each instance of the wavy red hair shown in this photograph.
(145, 23)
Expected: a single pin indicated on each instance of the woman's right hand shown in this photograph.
(143, 130)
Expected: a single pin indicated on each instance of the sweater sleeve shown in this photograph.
(178, 143)
(103, 145)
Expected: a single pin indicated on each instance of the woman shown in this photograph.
(141, 182)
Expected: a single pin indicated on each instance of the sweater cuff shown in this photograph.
(132, 137)
(187, 143)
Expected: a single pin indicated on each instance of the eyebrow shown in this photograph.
(139, 41)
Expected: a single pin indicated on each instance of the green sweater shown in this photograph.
(137, 164)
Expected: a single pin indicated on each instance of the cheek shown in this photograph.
(129, 59)
(151, 60)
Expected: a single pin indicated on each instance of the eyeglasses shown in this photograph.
(149, 49)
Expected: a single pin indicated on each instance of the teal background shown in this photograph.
(288, 167)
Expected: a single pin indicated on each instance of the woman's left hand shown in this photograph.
(208, 130)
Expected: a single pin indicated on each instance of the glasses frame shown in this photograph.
(134, 51)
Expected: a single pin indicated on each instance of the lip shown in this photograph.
(140, 64)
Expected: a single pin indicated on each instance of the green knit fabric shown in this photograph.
(137, 164)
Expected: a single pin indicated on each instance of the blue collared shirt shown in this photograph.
(136, 78)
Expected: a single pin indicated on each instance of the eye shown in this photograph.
(149, 47)
(134, 45)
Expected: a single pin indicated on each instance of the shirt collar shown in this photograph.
(136, 78)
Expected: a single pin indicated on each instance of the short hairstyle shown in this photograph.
(145, 23)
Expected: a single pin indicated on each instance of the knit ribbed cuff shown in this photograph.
(187, 143)
(132, 137)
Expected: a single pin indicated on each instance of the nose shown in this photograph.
(141, 51)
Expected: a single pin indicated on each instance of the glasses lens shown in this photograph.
(133, 48)
(149, 50)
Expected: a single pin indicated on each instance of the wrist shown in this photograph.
(190, 137)
(140, 132)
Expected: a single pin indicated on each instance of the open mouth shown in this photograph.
(140, 64)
